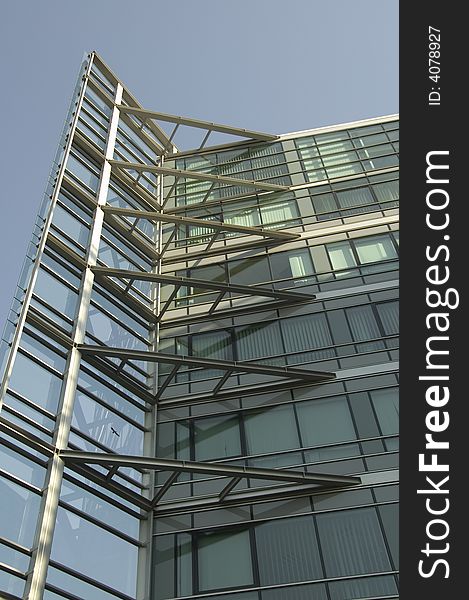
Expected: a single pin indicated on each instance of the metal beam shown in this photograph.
(25, 437)
(199, 124)
(207, 363)
(230, 486)
(201, 283)
(222, 382)
(243, 497)
(71, 457)
(235, 392)
(161, 388)
(165, 218)
(140, 167)
(269, 238)
(34, 588)
(164, 488)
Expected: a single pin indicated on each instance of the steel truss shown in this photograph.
(229, 368)
(177, 283)
(281, 483)
(292, 482)
(116, 218)
(148, 116)
(122, 167)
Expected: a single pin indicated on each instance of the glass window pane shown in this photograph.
(335, 147)
(95, 552)
(306, 332)
(256, 341)
(352, 543)
(14, 558)
(163, 553)
(374, 151)
(333, 136)
(338, 159)
(106, 512)
(76, 586)
(78, 231)
(287, 551)
(366, 587)
(390, 517)
(341, 255)
(32, 413)
(363, 323)
(386, 403)
(55, 293)
(323, 205)
(41, 351)
(314, 170)
(375, 249)
(11, 584)
(271, 430)
(370, 140)
(110, 395)
(216, 437)
(20, 509)
(35, 383)
(389, 315)
(325, 421)
(224, 560)
(216, 344)
(387, 191)
(82, 172)
(279, 212)
(250, 271)
(381, 163)
(18, 465)
(296, 263)
(357, 200)
(247, 217)
(106, 426)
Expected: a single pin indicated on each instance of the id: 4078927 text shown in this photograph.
(434, 67)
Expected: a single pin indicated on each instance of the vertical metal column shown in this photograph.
(144, 563)
(36, 579)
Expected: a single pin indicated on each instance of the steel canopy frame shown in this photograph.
(152, 116)
(123, 166)
(179, 282)
(208, 363)
(268, 237)
(300, 480)
(167, 218)
(293, 375)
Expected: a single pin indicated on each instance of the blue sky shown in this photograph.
(268, 65)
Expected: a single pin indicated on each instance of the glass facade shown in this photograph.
(189, 411)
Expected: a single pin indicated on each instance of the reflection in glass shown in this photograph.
(216, 437)
(352, 543)
(20, 508)
(288, 551)
(271, 430)
(35, 383)
(218, 553)
(87, 548)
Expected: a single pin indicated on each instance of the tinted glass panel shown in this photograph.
(216, 437)
(288, 551)
(271, 430)
(352, 543)
(217, 555)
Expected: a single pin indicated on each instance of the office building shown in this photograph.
(200, 365)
